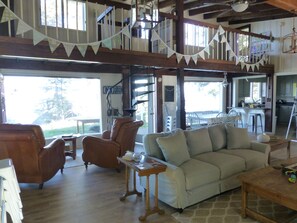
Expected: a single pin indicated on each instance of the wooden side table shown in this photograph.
(72, 140)
(279, 143)
(146, 167)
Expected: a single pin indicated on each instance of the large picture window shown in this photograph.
(70, 14)
(58, 105)
(196, 35)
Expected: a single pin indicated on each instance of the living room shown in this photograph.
(71, 58)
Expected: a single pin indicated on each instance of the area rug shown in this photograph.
(74, 163)
(226, 208)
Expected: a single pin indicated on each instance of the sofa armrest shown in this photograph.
(260, 147)
(171, 185)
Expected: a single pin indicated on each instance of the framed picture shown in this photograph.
(169, 93)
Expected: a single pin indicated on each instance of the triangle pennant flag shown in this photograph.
(107, 43)
(2, 4)
(248, 67)
(22, 27)
(68, 48)
(242, 65)
(211, 43)
(253, 67)
(154, 36)
(187, 58)
(82, 49)
(223, 40)
(118, 40)
(179, 57)
(228, 47)
(221, 30)
(170, 52)
(236, 60)
(216, 37)
(126, 31)
(207, 50)
(195, 58)
(95, 47)
(232, 54)
(258, 65)
(37, 37)
(262, 62)
(201, 54)
(7, 15)
(53, 44)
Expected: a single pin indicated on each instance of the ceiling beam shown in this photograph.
(112, 3)
(288, 5)
(166, 3)
(205, 9)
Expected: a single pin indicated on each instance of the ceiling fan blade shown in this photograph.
(224, 12)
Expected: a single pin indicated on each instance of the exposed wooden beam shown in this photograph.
(212, 8)
(24, 48)
(112, 3)
(288, 5)
(166, 3)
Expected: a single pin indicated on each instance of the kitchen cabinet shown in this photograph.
(285, 86)
(284, 114)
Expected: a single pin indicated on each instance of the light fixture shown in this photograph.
(240, 6)
(290, 42)
(145, 13)
(225, 82)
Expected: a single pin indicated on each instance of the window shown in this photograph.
(56, 104)
(243, 43)
(196, 35)
(69, 14)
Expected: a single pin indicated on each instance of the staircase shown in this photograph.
(141, 85)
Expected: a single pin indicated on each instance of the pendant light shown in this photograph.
(225, 82)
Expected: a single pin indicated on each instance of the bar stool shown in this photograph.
(255, 117)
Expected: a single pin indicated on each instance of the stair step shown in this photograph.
(139, 93)
(138, 85)
(138, 102)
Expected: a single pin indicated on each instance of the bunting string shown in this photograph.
(206, 51)
(23, 27)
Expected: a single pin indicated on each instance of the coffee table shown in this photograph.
(270, 184)
(72, 140)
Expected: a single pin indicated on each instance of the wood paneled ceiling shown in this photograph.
(221, 10)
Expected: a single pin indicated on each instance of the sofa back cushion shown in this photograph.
(237, 138)
(218, 137)
(151, 146)
(198, 141)
(174, 148)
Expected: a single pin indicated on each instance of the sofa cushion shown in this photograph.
(227, 163)
(198, 173)
(151, 146)
(218, 137)
(253, 159)
(174, 148)
(198, 141)
(237, 138)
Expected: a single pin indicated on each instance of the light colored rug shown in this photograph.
(226, 207)
(74, 163)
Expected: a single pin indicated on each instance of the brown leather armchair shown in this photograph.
(33, 161)
(104, 151)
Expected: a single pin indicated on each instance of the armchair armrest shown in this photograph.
(52, 157)
(106, 134)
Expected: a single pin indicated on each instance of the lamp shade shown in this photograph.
(240, 6)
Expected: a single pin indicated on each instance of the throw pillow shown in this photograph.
(198, 141)
(237, 138)
(174, 148)
(218, 137)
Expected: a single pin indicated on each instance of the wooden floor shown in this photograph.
(89, 196)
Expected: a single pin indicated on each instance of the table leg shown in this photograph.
(134, 191)
(156, 208)
(289, 150)
(243, 200)
(74, 149)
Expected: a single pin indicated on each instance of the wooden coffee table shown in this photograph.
(72, 140)
(270, 184)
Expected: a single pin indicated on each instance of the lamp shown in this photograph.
(145, 13)
(240, 6)
(225, 82)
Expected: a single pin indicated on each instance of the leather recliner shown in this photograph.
(34, 162)
(113, 143)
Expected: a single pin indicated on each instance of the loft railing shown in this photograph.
(101, 22)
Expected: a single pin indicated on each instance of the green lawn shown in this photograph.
(91, 128)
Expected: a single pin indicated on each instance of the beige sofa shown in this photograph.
(202, 163)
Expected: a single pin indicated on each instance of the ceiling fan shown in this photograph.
(236, 5)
